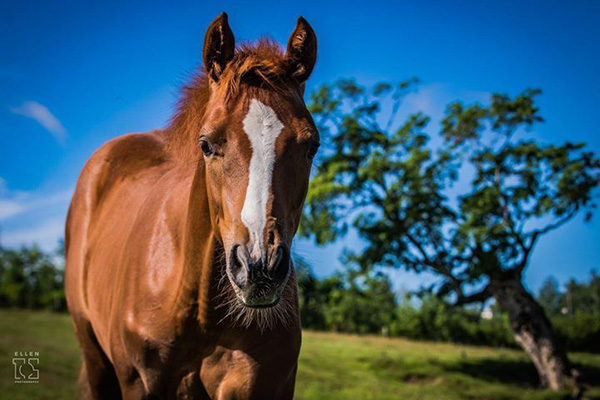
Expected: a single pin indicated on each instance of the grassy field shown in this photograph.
(332, 366)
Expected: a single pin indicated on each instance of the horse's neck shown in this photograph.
(202, 254)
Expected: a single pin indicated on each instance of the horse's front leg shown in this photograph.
(233, 374)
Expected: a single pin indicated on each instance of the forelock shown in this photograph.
(259, 64)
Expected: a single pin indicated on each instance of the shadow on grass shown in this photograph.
(589, 374)
(515, 372)
(398, 369)
(498, 370)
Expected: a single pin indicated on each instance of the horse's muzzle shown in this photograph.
(259, 284)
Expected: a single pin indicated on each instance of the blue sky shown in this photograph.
(75, 74)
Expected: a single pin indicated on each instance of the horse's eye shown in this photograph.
(206, 147)
(312, 151)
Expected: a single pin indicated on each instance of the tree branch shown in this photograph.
(392, 118)
(427, 260)
(539, 232)
(476, 297)
(551, 227)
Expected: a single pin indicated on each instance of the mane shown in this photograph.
(261, 64)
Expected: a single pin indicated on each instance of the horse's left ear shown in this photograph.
(302, 50)
(219, 47)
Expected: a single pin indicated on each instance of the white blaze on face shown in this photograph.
(262, 127)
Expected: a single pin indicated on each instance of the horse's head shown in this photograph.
(258, 141)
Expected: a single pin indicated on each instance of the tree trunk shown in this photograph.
(533, 331)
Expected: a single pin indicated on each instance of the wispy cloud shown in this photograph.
(44, 234)
(10, 208)
(433, 98)
(28, 217)
(15, 204)
(40, 113)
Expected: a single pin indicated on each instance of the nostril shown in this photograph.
(271, 238)
(280, 263)
(238, 267)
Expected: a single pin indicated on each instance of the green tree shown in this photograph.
(578, 322)
(386, 181)
(29, 278)
(550, 297)
(361, 304)
(435, 318)
(582, 297)
(14, 285)
(346, 302)
(312, 295)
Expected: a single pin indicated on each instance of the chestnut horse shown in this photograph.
(179, 278)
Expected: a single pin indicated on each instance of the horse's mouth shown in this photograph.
(257, 299)
(249, 298)
(260, 304)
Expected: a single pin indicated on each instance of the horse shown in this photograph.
(179, 277)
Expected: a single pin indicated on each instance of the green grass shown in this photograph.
(332, 366)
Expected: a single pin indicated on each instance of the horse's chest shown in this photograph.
(183, 372)
(206, 369)
(171, 357)
(164, 368)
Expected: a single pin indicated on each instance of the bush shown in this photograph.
(579, 332)
(434, 319)
(354, 304)
(30, 278)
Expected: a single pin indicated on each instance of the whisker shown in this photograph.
(281, 315)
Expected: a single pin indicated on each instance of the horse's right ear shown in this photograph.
(302, 50)
(219, 47)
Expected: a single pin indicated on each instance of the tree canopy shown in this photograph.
(398, 188)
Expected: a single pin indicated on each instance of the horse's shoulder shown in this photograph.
(134, 151)
(120, 159)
